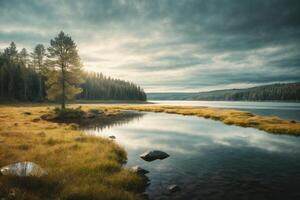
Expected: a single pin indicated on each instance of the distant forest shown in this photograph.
(22, 78)
(274, 92)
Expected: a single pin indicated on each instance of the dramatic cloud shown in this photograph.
(167, 45)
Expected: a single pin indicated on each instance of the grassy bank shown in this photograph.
(228, 116)
(79, 167)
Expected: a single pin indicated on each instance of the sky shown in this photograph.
(168, 45)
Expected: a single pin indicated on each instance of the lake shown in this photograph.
(209, 160)
(284, 110)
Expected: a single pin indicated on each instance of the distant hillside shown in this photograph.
(275, 92)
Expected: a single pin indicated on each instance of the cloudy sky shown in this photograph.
(168, 45)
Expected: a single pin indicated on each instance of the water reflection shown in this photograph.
(210, 160)
(96, 125)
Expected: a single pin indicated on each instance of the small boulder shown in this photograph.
(112, 137)
(173, 188)
(154, 155)
(36, 120)
(27, 113)
(145, 179)
(23, 169)
(138, 170)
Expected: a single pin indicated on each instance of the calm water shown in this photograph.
(209, 160)
(285, 110)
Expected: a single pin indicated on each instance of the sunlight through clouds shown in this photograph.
(185, 43)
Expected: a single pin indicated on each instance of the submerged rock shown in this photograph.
(138, 170)
(154, 155)
(145, 179)
(112, 137)
(173, 188)
(23, 169)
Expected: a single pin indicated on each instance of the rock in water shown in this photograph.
(139, 170)
(112, 137)
(23, 169)
(174, 188)
(153, 155)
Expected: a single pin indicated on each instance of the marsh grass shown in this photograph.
(78, 166)
(228, 116)
(84, 167)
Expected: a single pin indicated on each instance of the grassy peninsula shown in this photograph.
(228, 116)
(78, 166)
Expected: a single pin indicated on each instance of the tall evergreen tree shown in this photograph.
(12, 55)
(38, 61)
(23, 58)
(65, 74)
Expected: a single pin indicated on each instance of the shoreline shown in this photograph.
(236, 117)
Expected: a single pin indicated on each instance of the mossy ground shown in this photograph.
(79, 166)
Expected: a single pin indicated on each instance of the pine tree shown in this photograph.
(24, 60)
(38, 61)
(11, 53)
(65, 74)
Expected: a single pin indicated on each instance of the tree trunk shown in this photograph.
(41, 88)
(11, 85)
(24, 72)
(2, 82)
(63, 104)
(25, 89)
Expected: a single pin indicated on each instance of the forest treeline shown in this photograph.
(274, 92)
(23, 77)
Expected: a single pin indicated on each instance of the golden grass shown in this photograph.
(84, 167)
(79, 166)
(228, 116)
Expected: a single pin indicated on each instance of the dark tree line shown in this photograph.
(274, 92)
(99, 87)
(23, 78)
